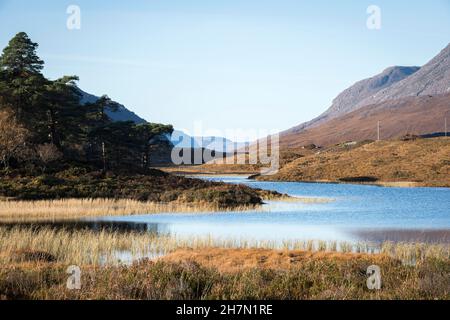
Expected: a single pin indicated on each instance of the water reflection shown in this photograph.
(96, 226)
(253, 232)
(419, 236)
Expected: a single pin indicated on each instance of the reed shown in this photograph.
(79, 208)
(286, 198)
(110, 248)
(67, 209)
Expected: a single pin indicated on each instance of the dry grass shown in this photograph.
(213, 169)
(34, 264)
(105, 247)
(423, 162)
(235, 260)
(235, 165)
(303, 199)
(68, 209)
(297, 276)
(78, 208)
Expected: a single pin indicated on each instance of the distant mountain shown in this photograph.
(122, 114)
(179, 139)
(395, 87)
(183, 140)
(219, 144)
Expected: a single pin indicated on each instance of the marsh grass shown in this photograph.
(69, 209)
(16, 211)
(34, 262)
(111, 248)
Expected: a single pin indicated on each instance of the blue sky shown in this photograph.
(230, 64)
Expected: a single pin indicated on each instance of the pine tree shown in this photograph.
(20, 58)
(21, 81)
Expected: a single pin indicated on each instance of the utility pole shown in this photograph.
(378, 131)
(104, 156)
(446, 127)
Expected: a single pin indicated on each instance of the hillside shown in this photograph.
(423, 162)
(415, 115)
(122, 114)
(349, 100)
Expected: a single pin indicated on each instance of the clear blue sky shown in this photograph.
(231, 64)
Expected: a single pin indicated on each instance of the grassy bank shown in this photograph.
(150, 188)
(317, 277)
(34, 263)
(421, 162)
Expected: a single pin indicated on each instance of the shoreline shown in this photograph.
(239, 174)
(386, 184)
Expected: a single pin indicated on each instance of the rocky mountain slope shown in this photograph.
(433, 78)
(394, 95)
(351, 98)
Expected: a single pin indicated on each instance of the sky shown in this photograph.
(227, 65)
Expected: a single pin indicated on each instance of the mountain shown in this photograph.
(183, 140)
(380, 95)
(219, 144)
(179, 139)
(411, 115)
(122, 114)
(351, 98)
(433, 78)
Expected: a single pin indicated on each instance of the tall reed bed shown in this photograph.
(68, 209)
(78, 208)
(106, 247)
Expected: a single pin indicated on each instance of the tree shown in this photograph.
(149, 135)
(49, 109)
(97, 110)
(44, 120)
(47, 153)
(21, 81)
(65, 116)
(13, 139)
(116, 143)
(20, 58)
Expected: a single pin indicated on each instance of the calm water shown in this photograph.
(358, 213)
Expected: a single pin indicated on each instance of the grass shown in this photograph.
(316, 277)
(99, 248)
(68, 209)
(34, 263)
(156, 187)
(422, 162)
(16, 211)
